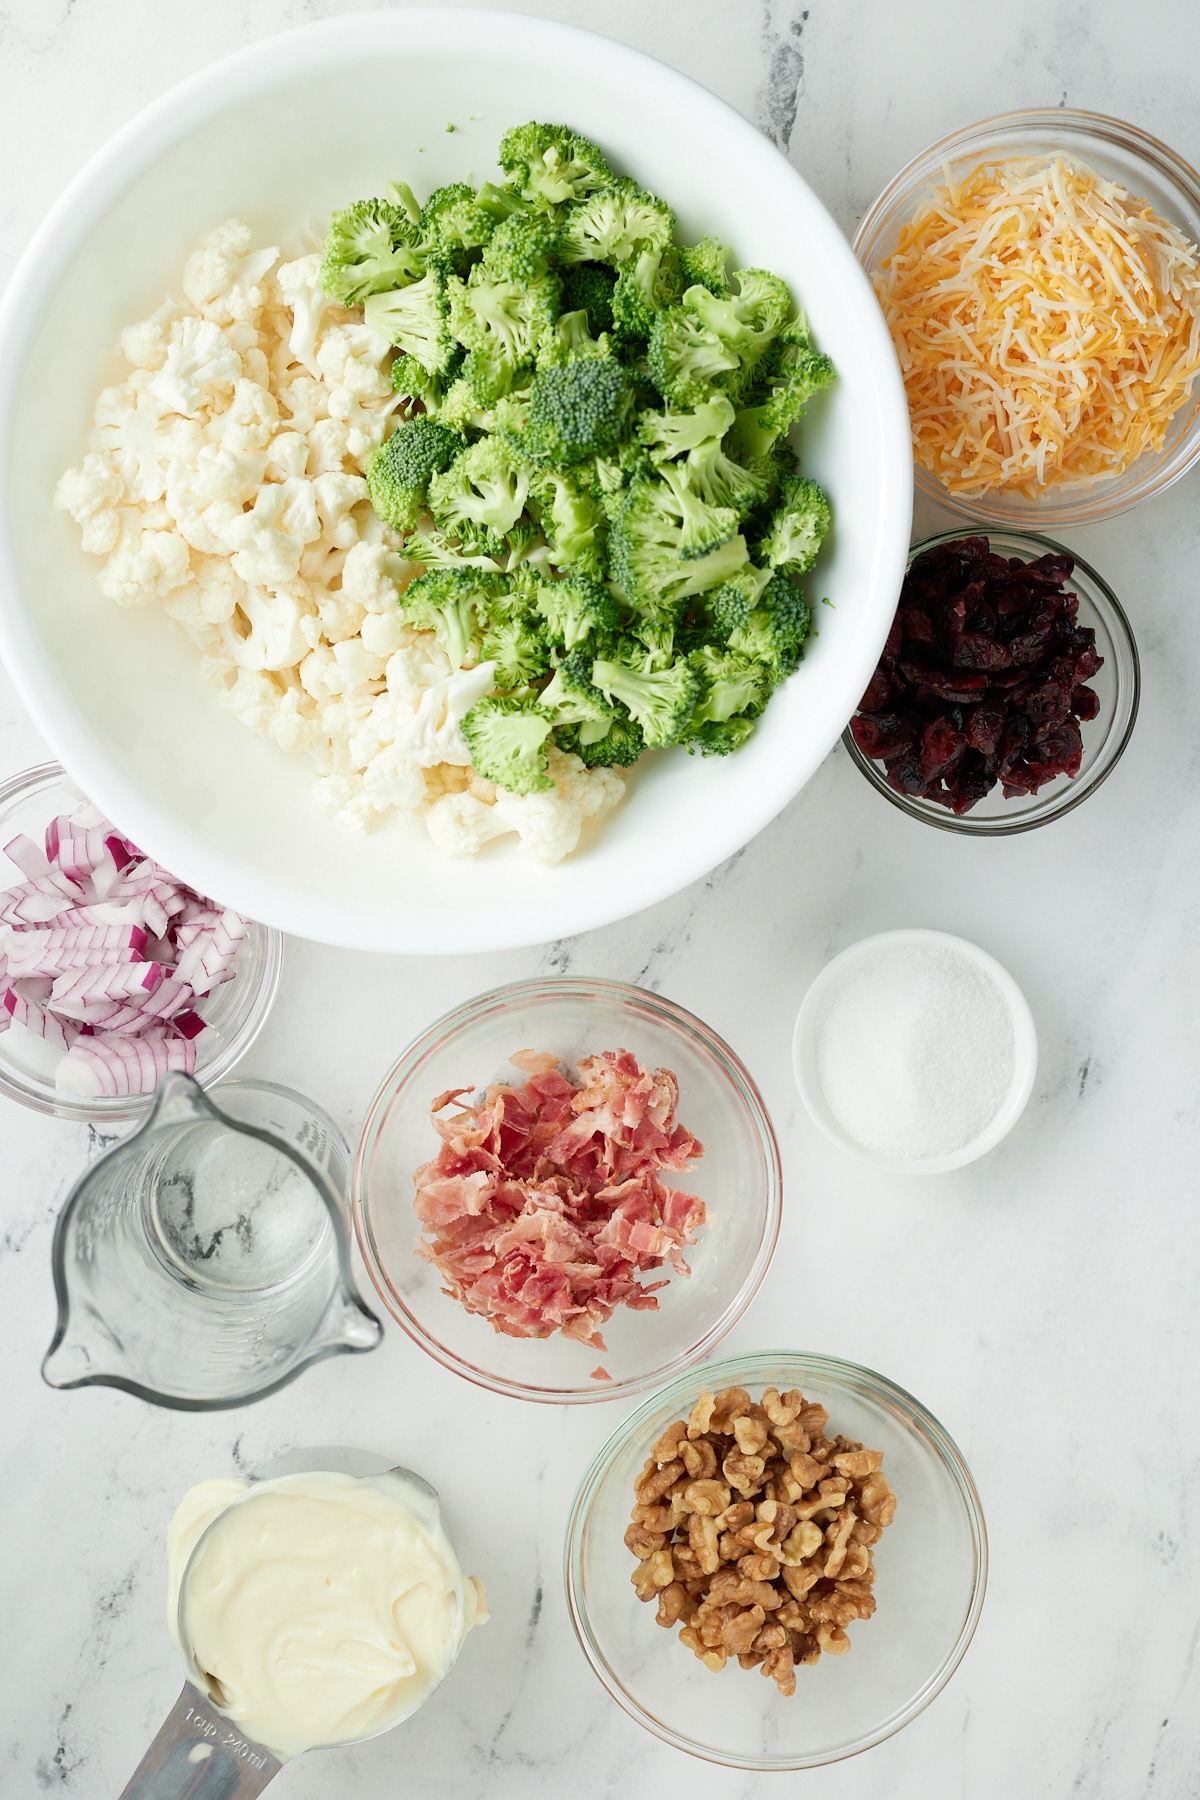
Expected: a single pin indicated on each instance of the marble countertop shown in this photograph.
(1040, 1303)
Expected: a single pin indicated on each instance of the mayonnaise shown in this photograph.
(315, 1609)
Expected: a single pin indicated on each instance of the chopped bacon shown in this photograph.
(544, 1202)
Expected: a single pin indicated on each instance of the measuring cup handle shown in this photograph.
(198, 1755)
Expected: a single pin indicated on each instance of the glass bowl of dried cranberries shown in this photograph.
(1007, 689)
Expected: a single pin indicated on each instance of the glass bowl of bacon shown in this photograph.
(111, 971)
(567, 1190)
(856, 1625)
(1039, 277)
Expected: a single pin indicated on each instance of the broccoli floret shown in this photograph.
(588, 287)
(412, 378)
(370, 247)
(703, 524)
(728, 607)
(444, 601)
(758, 427)
(571, 697)
(416, 319)
(512, 638)
(550, 164)
(500, 323)
(618, 748)
(748, 320)
(705, 263)
(647, 543)
(615, 224)
(797, 527)
(483, 487)
(646, 287)
(400, 194)
(573, 522)
(578, 410)
(521, 248)
(672, 434)
(661, 701)
(507, 739)
(569, 336)
(686, 359)
(453, 219)
(776, 629)
(729, 684)
(717, 479)
(439, 551)
(460, 410)
(721, 739)
(577, 608)
(398, 473)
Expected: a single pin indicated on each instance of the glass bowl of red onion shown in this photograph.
(566, 1238)
(111, 971)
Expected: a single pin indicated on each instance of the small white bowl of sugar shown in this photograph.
(915, 1051)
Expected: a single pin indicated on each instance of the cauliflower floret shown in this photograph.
(287, 455)
(268, 540)
(340, 617)
(345, 797)
(145, 344)
(295, 725)
(349, 357)
(393, 778)
(299, 285)
(144, 565)
(550, 824)
(327, 447)
(219, 472)
(306, 400)
(335, 495)
(417, 665)
(434, 729)
(223, 277)
(250, 420)
(254, 698)
(372, 574)
(141, 443)
(326, 673)
(385, 634)
(219, 589)
(275, 640)
(200, 360)
(460, 825)
(90, 492)
(201, 522)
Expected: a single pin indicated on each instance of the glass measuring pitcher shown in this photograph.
(204, 1261)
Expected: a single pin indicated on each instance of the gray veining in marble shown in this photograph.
(1042, 1303)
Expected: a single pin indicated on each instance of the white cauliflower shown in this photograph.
(336, 495)
(275, 640)
(254, 698)
(327, 447)
(371, 574)
(550, 824)
(300, 289)
(145, 344)
(91, 493)
(287, 454)
(223, 277)
(144, 565)
(250, 420)
(460, 825)
(142, 442)
(267, 541)
(200, 361)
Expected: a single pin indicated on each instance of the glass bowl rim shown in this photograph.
(579, 987)
(1071, 797)
(40, 1097)
(728, 1370)
(1084, 502)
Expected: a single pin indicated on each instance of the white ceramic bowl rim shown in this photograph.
(1025, 1052)
(655, 861)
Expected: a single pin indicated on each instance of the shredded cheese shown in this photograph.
(1047, 326)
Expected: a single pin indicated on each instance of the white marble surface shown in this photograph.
(1040, 1303)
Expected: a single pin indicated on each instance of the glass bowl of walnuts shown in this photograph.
(787, 1516)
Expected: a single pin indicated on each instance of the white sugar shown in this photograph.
(915, 1050)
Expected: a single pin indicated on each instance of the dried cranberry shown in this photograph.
(1048, 703)
(1085, 703)
(882, 735)
(977, 650)
(941, 747)
(984, 726)
(879, 692)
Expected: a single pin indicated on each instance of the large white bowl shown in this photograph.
(281, 133)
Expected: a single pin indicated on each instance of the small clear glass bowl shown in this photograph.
(931, 1572)
(1121, 153)
(738, 1177)
(235, 1012)
(1118, 684)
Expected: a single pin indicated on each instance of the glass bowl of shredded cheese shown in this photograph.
(1040, 279)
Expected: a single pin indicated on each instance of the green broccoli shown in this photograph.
(776, 629)
(522, 247)
(717, 479)
(483, 487)
(652, 529)
(507, 738)
(398, 473)
(453, 219)
(500, 323)
(615, 224)
(661, 701)
(729, 684)
(705, 263)
(797, 527)
(512, 638)
(618, 748)
(400, 194)
(460, 410)
(411, 378)
(758, 427)
(672, 434)
(577, 608)
(370, 247)
(571, 697)
(573, 523)
(588, 287)
(569, 336)
(444, 601)
(416, 319)
(746, 321)
(686, 359)
(578, 410)
(646, 287)
(550, 164)
(728, 606)
(721, 739)
(703, 524)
